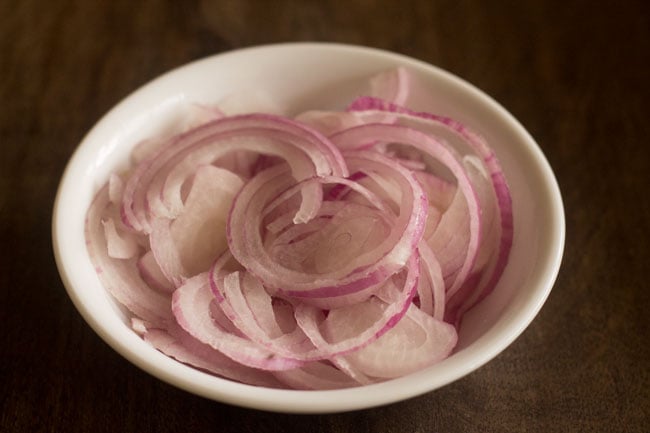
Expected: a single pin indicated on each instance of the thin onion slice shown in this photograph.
(191, 307)
(142, 192)
(351, 138)
(178, 344)
(121, 277)
(370, 107)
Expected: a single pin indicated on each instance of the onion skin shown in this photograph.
(330, 250)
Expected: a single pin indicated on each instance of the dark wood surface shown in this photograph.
(575, 74)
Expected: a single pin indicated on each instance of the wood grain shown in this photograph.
(575, 74)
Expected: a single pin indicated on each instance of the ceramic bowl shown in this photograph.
(302, 76)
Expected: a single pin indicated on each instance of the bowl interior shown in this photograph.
(316, 76)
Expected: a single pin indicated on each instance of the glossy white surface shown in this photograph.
(317, 76)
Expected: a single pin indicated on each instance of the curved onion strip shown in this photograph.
(164, 196)
(184, 348)
(152, 274)
(311, 318)
(120, 245)
(393, 85)
(165, 251)
(451, 238)
(115, 189)
(351, 185)
(246, 243)
(190, 305)
(339, 239)
(436, 284)
(325, 157)
(390, 316)
(350, 138)
(188, 244)
(370, 107)
(415, 342)
(121, 277)
(315, 376)
(228, 292)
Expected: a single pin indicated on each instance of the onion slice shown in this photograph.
(350, 139)
(191, 307)
(247, 245)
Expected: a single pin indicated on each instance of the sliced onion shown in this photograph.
(121, 277)
(275, 135)
(370, 107)
(191, 307)
(247, 245)
(188, 244)
(333, 250)
(415, 342)
(183, 347)
(391, 85)
(152, 274)
(350, 139)
(315, 376)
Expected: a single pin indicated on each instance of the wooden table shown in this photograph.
(574, 73)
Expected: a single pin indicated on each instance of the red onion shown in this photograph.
(331, 250)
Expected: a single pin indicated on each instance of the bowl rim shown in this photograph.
(295, 401)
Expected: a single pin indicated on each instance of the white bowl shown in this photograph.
(309, 75)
